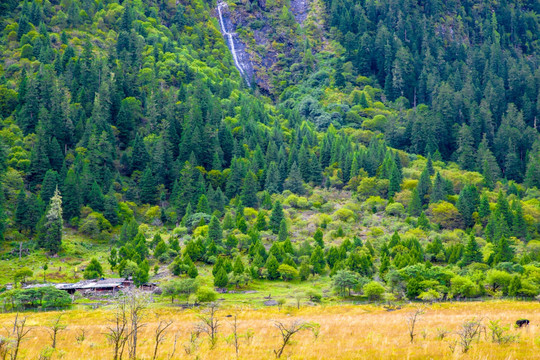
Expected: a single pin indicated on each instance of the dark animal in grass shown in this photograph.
(522, 322)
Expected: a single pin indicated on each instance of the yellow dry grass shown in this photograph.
(346, 332)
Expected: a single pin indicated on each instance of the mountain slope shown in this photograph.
(137, 114)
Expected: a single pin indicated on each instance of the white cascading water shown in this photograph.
(231, 41)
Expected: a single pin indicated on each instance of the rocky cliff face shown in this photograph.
(242, 60)
(270, 43)
(300, 9)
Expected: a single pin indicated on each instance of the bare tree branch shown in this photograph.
(413, 318)
(287, 331)
(159, 335)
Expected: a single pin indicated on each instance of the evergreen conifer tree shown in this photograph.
(272, 178)
(260, 221)
(215, 232)
(276, 217)
(51, 232)
(272, 266)
(439, 189)
(148, 190)
(415, 206)
(110, 208)
(519, 225)
(72, 197)
(202, 205)
(139, 157)
(48, 186)
(221, 279)
(96, 198)
(423, 221)
(472, 252)
(429, 165)
(424, 186)
(238, 267)
(317, 260)
(21, 208)
(283, 233)
(249, 191)
(483, 209)
(503, 251)
(294, 182)
(318, 237)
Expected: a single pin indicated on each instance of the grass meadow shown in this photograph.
(346, 332)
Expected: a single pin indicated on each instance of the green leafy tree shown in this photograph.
(373, 290)
(344, 281)
(287, 272)
(515, 286)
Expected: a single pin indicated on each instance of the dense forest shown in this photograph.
(473, 63)
(398, 151)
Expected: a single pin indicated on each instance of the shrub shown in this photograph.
(461, 286)
(395, 209)
(287, 272)
(374, 203)
(344, 215)
(205, 294)
(446, 214)
(371, 186)
(373, 290)
(151, 214)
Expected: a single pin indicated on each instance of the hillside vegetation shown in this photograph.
(409, 172)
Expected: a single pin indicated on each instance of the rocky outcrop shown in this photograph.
(300, 9)
(242, 59)
(264, 43)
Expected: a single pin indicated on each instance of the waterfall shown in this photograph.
(230, 37)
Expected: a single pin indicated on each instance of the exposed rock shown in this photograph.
(300, 9)
(157, 291)
(242, 59)
(271, 303)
